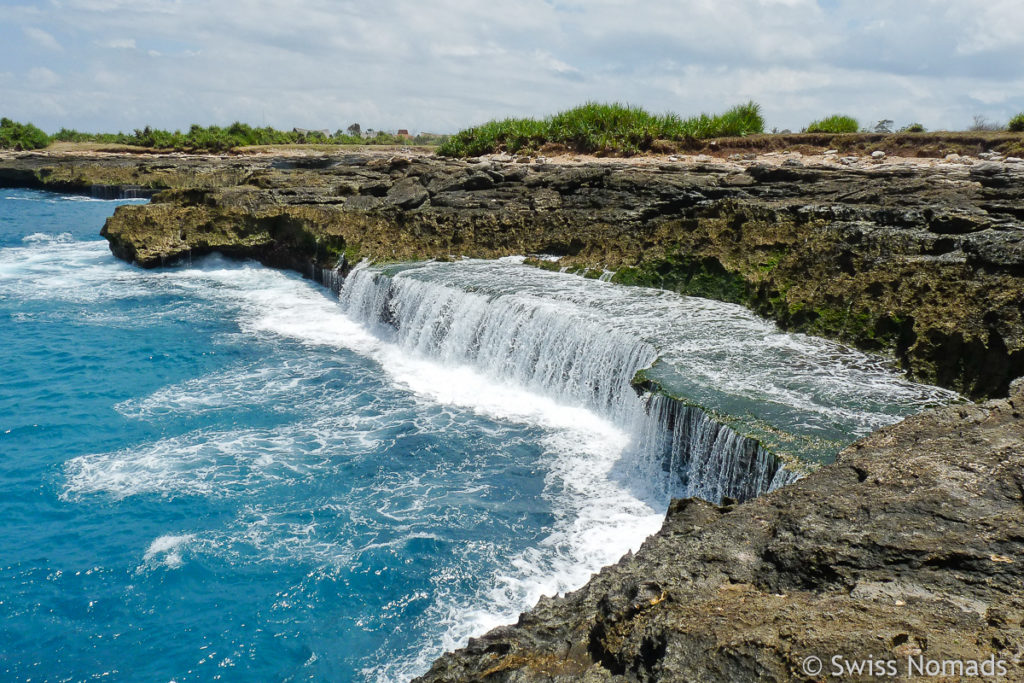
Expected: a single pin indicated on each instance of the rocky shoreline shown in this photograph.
(921, 260)
(910, 545)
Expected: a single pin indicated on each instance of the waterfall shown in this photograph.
(711, 460)
(572, 357)
(120, 192)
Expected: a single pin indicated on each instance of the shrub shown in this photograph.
(913, 128)
(21, 136)
(1016, 123)
(980, 124)
(217, 139)
(602, 128)
(837, 123)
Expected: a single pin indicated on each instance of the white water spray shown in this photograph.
(572, 355)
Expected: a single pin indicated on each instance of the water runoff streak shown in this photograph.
(727, 381)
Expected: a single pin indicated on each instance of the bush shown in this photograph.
(21, 136)
(837, 123)
(981, 124)
(602, 128)
(913, 128)
(1016, 123)
(217, 139)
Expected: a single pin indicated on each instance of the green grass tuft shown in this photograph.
(1016, 124)
(21, 136)
(837, 123)
(600, 128)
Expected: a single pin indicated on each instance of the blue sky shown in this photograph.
(440, 66)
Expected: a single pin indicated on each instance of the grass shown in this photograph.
(595, 128)
(21, 136)
(837, 123)
(221, 139)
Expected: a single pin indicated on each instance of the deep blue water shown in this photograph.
(210, 473)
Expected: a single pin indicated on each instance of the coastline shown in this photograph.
(753, 225)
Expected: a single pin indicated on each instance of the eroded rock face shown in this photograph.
(911, 545)
(927, 264)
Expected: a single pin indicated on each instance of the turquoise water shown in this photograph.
(210, 473)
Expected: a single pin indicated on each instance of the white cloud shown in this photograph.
(401, 63)
(41, 77)
(119, 44)
(41, 37)
(549, 62)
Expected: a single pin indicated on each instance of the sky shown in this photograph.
(442, 65)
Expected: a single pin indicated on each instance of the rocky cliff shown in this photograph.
(925, 263)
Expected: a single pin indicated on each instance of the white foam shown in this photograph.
(237, 387)
(169, 547)
(595, 519)
(45, 237)
(210, 463)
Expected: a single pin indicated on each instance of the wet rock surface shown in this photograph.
(910, 546)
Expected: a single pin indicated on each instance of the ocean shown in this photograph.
(220, 471)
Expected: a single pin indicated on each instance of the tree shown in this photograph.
(884, 126)
(355, 130)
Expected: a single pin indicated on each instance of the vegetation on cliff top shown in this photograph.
(1016, 124)
(14, 135)
(25, 136)
(220, 139)
(602, 129)
(837, 123)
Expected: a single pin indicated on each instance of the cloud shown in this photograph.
(41, 77)
(41, 37)
(119, 44)
(549, 62)
(402, 64)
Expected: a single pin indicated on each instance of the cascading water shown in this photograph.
(109, 192)
(542, 331)
(218, 457)
(708, 459)
(532, 342)
(536, 343)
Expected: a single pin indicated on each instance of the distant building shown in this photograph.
(403, 133)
